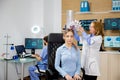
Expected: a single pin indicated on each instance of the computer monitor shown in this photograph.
(112, 41)
(33, 43)
(112, 24)
(86, 23)
(20, 49)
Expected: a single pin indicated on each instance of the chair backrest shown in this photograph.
(54, 41)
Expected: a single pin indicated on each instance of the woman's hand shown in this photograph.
(81, 29)
(68, 77)
(77, 77)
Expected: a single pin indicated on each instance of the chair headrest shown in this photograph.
(55, 37)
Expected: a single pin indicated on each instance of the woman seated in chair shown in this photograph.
(42, 61)
(67, 60)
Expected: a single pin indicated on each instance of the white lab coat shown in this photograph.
(90, 56)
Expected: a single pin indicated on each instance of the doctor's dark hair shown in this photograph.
(70, 30)
(45, 39)
(98, 26)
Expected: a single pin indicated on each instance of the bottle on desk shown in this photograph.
(12, 50)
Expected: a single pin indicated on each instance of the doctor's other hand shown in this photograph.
(77, 77)
(81, 29)
(68, 77)
(33, 55)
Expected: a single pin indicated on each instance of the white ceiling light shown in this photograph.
(35, 29)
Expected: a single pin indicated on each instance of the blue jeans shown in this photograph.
(33, 75)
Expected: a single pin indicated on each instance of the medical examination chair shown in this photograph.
(54, 41)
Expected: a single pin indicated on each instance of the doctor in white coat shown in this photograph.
(90, 50)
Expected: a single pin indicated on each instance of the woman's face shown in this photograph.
(69, 37)
(92, 29)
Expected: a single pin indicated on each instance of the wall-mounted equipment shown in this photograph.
(112, 24)
(86, 23)
(84, 6)
(116, 5)
(112, 41)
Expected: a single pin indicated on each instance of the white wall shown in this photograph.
(16, 19)
(18, 16)
(52, 15)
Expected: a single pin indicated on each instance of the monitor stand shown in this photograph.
(32, 51)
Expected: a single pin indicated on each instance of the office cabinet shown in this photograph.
(113, 67)
(103, 67)
(109, 66)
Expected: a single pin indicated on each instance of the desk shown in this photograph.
(21, 61)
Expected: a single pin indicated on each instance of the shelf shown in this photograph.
(111, 11)
(83, 12)
(103, 12)
(114, 11)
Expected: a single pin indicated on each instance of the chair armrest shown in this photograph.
(42, 71)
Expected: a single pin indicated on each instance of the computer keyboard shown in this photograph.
(28, 54)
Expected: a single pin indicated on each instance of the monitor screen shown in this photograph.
(112, 41)
(112, 24)
(20, 49)
(33, 43)
(86, 23)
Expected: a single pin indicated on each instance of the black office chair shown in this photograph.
(54, 41)
(41, 72)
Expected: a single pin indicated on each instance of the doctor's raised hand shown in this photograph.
(81, 29)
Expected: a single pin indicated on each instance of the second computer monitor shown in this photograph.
(33, 43)
(112, 24)
(86, 23)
